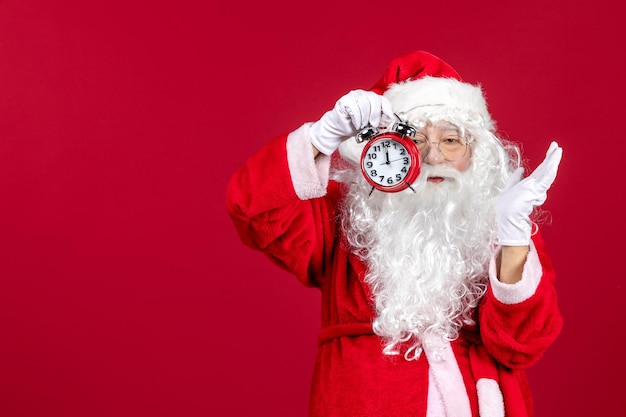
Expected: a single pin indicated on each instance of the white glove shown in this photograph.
(351, 113)
(520, 196)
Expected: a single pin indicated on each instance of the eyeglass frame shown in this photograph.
(461, 139)
(411, 131)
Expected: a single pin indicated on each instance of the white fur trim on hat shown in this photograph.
(434, 99)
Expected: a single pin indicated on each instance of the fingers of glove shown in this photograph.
(525, 193)
(518, 197)
(545, 174)
(516, 177)
(381, 112)
(533, 189)
(375, 115)
(517, 202)
(386, 109)
(353, 106)
(365, 107)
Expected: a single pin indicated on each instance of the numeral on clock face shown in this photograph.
(386, 163)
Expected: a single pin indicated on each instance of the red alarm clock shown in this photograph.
(390, 161)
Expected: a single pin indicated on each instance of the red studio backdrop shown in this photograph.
(124, 290)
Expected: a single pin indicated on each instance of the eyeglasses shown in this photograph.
(451, 147)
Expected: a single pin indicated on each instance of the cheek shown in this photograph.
(462, 164)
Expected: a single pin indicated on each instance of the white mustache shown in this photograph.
(439, 171)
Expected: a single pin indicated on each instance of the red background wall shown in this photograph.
(123, 288)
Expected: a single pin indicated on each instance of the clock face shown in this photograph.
(390, 163)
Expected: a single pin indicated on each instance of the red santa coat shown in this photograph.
(283, 205)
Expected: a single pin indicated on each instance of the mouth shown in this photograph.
(435, 179)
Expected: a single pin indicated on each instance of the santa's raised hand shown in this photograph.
(520, 196)
(351, 114)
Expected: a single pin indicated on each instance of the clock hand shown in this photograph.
(387, 155)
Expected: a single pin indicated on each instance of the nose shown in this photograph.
(433, 156)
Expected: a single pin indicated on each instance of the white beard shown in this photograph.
(427, 253)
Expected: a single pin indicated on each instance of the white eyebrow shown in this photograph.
(449, 126)
(442, 127)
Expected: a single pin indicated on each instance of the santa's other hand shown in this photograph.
(520, 196)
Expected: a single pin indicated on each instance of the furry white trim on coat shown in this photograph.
(524, 288)
(445, 379)
(490, 401)
(309, 175)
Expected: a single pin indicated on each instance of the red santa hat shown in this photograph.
(413, 66)
(424, 88)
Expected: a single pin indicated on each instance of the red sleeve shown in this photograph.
(270, 217)
(517, 334)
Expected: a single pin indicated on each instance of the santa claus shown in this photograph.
(435, 299)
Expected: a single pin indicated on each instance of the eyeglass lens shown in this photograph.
(452, 147)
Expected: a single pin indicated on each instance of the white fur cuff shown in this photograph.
(309, 175)
(524, 288)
